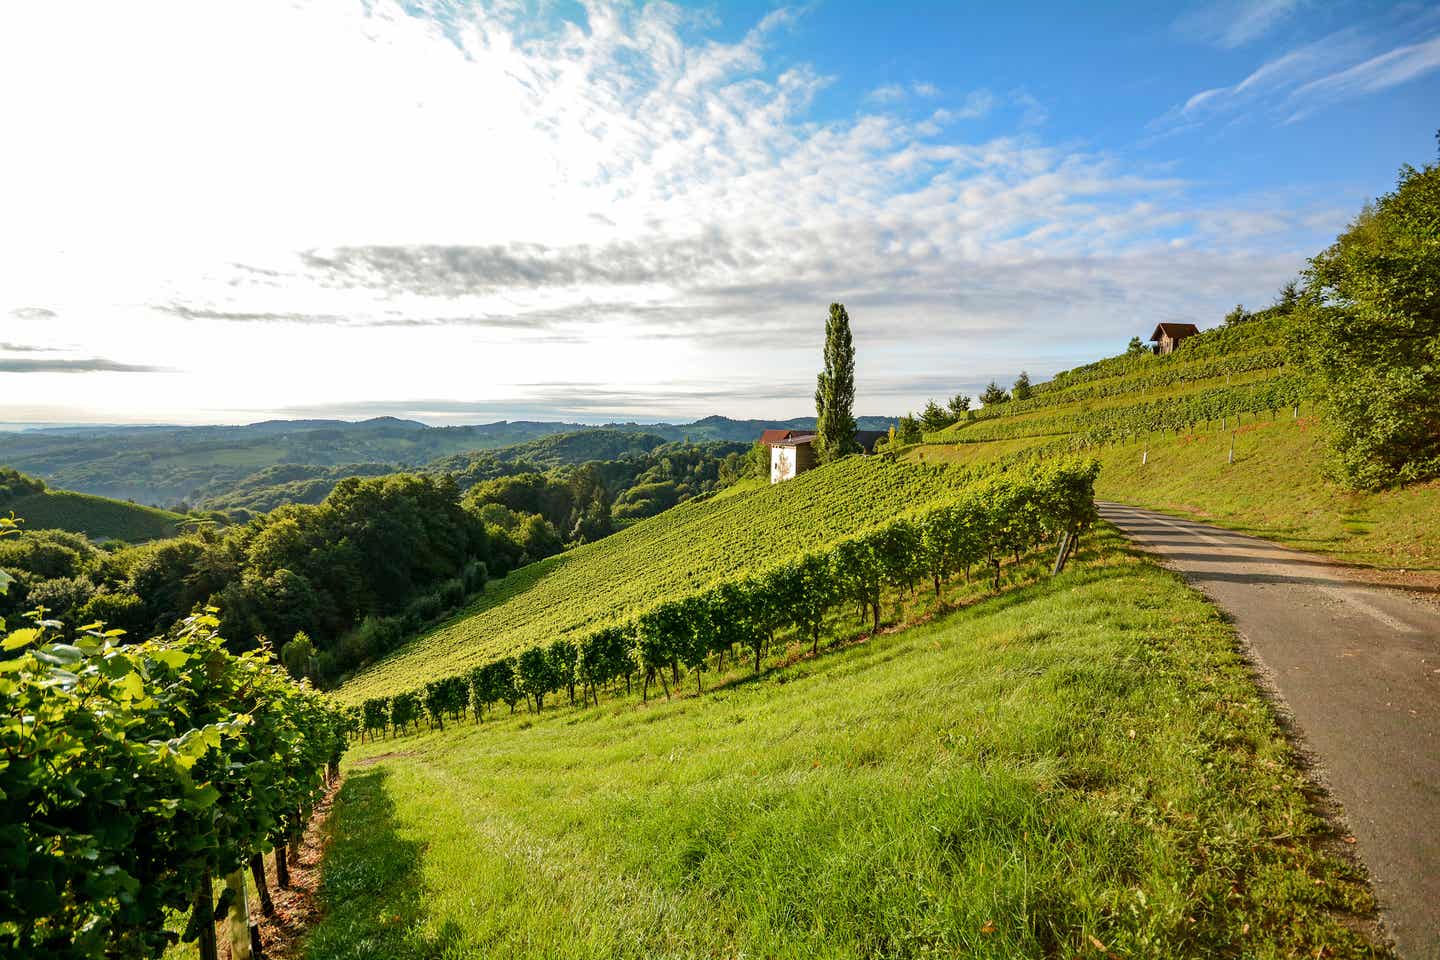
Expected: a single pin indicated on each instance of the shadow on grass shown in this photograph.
(372, 895)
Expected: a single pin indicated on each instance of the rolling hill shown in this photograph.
(999, 774)
(1221, 430)
(683, 550)
(98, 518)
(168, 465)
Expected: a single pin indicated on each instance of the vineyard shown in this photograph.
(683, 551)
(1005, 515)
(1215, 377)
(1086, 427)
(1208, 432)
(133, 775)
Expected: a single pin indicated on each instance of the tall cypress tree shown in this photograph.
(835, 391)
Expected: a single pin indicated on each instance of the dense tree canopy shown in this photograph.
(1369, 330)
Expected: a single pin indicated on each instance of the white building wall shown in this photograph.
(782, 463)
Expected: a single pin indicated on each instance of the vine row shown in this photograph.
(1006, 514)
(131, 775)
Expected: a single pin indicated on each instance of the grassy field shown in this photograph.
(683, 550)
(1275, 489)
(97, 517)
(1079, 767)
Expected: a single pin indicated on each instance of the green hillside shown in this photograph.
(683, 550)
(98, 518)
(1081, 767)
(1214, 376)
(1162, 428)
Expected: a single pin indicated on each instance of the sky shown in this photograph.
(464, 212)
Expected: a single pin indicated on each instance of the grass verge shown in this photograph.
(1275, 489)
(1078, 767)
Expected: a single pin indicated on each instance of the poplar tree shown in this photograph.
(835, 391)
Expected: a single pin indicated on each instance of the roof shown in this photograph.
(794, 438)
(778, 436)
(1174, 330)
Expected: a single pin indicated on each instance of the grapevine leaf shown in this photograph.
(20, 638)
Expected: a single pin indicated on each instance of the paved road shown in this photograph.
(1358, 665)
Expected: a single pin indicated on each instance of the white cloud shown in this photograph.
(889, 93)
(1389, 69)
(1234, 23)
(1340, 66)
(295, 205)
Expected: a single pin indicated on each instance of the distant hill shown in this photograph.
(165, 465)
(267, 489)
(627, 458)
(98, 518)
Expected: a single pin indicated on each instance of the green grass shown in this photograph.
(681, 551)
(974, 454)
(99, 518)
(1276, 489)
(1077, 762)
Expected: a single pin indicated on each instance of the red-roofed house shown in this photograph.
(793, 451)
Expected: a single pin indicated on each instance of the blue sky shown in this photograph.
(464, 212)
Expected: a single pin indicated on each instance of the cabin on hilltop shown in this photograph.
(1167, 336)
(792, 452)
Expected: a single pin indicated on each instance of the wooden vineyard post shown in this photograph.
(1145, 457)
(238, 919)
(1232, 446)
(282, 867)
(204, 919)
(257, 873)
(296, 835)
(1060, 555)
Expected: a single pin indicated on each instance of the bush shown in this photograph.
(451, 593)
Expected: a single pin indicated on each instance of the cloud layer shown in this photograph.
(458, 201)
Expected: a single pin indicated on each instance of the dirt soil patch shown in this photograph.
(297, 908)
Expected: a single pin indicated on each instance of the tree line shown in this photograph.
(337, 584)
(378, 559)
(1004, 515)
(134, 774)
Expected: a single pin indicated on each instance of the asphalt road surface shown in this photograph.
(1358, 666)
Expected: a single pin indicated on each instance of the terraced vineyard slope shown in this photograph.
(684, 550)
(1081, 767)
(1213, 377)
